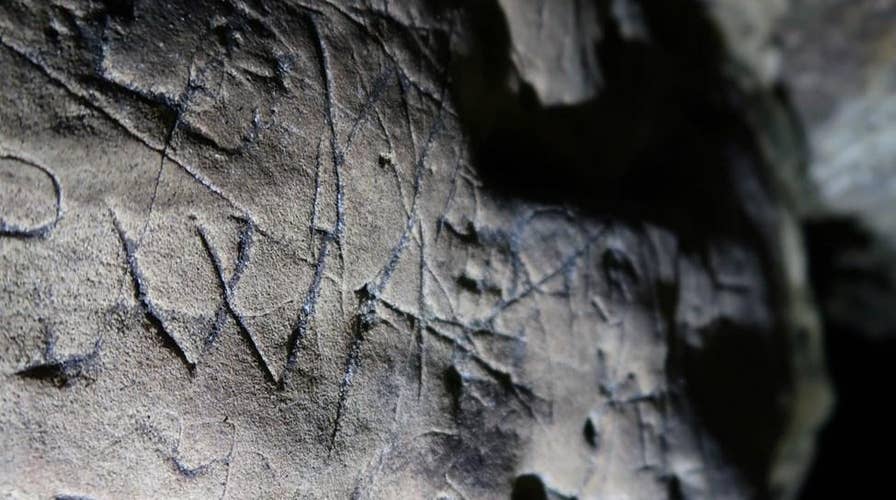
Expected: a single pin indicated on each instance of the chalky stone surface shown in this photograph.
(247, 251)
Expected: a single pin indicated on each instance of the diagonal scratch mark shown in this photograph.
(351, 365)
(84, 97)
(422, 311)
(316, 199)
(141, 293)
(452, 191)
(180, 108)
(385, 274)
(228, 287)
(306, 313)
(564, 267)
(369, 294)
(522, 393)
(379, 86)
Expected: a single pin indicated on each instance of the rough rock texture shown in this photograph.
(398, 250)
(841, 67)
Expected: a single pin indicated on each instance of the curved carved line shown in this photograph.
(43, 230)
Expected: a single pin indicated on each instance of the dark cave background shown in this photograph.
(849, 461)
(667, 119)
